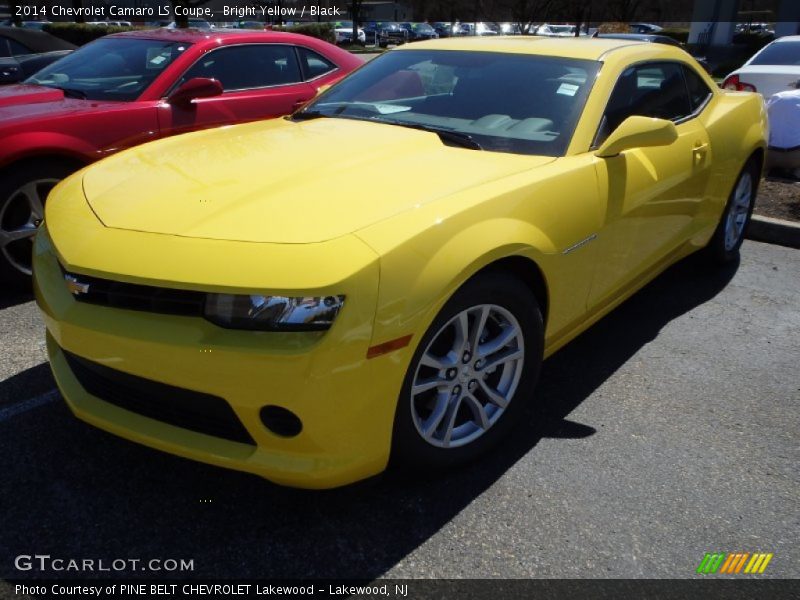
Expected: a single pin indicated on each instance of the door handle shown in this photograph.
(699, 152)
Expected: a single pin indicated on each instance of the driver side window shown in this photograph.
(248, 66)
(647, 90)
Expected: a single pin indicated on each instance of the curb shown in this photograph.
(774, 231)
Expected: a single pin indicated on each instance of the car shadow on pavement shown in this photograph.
(27, 384)
(10, 298)
(70, 490)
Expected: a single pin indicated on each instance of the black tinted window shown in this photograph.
(248, 66)
(779, 53)
(314, 64)
(698, 90)
(18, 49)
(648, 90)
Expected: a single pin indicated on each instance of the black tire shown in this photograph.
(409, 448)
(14, 215)
(720, 249)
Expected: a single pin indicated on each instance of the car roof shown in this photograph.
(788, 38)
(582, 48)
(195, 35)
(38, 41)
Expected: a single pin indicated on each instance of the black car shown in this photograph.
(25, 51)
(383, 33)
(641, 37)
(653, 38)
(419, 31)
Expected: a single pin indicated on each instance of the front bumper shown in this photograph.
(345, 402)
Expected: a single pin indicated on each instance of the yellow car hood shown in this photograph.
(285, 182)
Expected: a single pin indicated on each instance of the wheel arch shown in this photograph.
(526, 270)
(50, 157)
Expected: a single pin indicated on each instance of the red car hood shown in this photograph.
(23, 101)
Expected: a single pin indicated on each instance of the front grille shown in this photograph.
(195, 411)
(118, 294)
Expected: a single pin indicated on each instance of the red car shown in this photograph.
(130, 88)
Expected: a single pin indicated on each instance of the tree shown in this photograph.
(623, 10)
(355, 14)
(78, 6)
(182, 20)
(524, 13)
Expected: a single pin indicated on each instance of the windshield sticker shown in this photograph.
(388, 109)
(567, 89)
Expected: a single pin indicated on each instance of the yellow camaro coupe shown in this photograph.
(381, 274)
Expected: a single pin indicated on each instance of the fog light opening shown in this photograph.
(281, 421)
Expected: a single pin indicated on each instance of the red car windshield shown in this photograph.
(110, 68)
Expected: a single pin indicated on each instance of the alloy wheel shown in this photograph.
(467, 375)
(738, 211)
(20, 216)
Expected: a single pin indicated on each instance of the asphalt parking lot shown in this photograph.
(671, 430)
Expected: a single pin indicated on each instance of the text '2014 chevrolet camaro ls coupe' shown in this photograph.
(257, 297)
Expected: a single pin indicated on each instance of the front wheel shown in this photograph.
(471, 376)
(729, 235)
(23, 192)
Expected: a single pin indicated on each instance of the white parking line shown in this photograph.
(26, 405)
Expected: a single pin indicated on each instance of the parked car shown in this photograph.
(110, 23)
(419, 31)
(759, 28)
(25, 51)
(344, 33)
(445, 29)
(39, 25)
(479, 28)
(384, 33)
(783, 109)
(222, 297)
(654, 39)
(193, 23)
(645, 28)
(640, 37)
(510, 28)
(774, 68)
(128, 88)
(555, 30)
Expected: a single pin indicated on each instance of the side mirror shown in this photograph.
(197, 87)
(638, 132)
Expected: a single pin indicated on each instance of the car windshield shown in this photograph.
(779, 53)
(110, 68)
(517, 103)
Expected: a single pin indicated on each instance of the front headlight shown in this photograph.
(273, 313)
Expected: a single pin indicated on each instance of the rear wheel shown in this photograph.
(471, 376)
(23, 191)
(729, 235)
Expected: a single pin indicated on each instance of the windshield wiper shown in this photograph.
(446, 135)
(73, 93)
(307, 115)
(68, 92)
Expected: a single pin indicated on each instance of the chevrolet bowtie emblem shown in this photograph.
(75, 287)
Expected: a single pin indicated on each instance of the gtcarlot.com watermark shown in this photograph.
(45, 563)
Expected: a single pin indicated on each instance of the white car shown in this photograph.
(344, 33)
(556, 30)
(775, 68)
